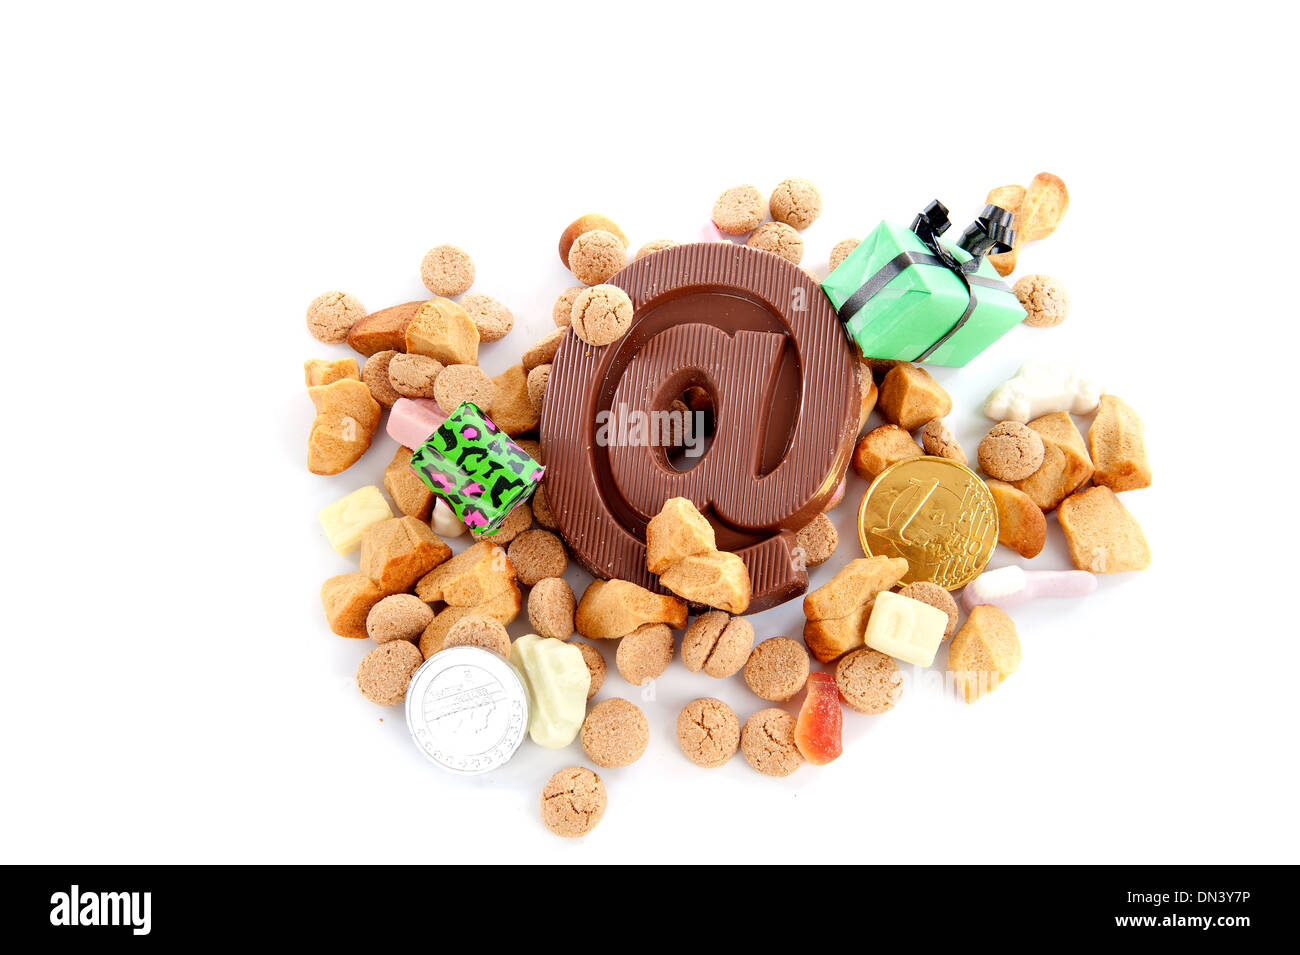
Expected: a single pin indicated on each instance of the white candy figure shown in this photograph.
(1042, 387)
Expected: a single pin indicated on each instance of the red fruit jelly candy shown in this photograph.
(817, 733)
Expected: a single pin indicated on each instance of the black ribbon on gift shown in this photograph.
(993, 231)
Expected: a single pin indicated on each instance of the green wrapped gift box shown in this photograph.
(899, 299)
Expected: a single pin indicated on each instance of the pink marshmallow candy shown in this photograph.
(837, 495)
(711, 233)
(1009, 587)
(412, 420)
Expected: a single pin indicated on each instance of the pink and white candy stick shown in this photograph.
(412, 420)
(1009, 587)
(837, 495)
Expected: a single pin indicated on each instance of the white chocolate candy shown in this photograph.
(346, 518)
(445, 522)
(557, 679)
(1009, 587)
(1040, 388)
(906, 629)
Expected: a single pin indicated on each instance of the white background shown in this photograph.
(178, 185)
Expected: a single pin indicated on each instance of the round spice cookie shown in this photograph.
(331, 315)
(698, 398)
(543, 353)
(588, 223)
(595, 256)
(615, 733)
(595, 667)
(1044, 298)
(573, 801)
(412, 376)
(1011, 451)
(562, 310)
(542, 509)
(708, 732)
(841, 251)
(941, 443)
(869, 681)
(644, 654)
(386, 670)
(492, 319)
(375, 374)
(531, 447)
(516, 522)
(537, 379)
(398, 617)
(447, 270)
(777, 669)
(537, 555)
(479, 630)
(928, 592)
(818, 540)
(654, 245)
(680, 412)
(459, 383)
(550, 608)
(601, 314)
(717, 644)
(796, 202)
(739, 210)
(779, 238)
(767, 742)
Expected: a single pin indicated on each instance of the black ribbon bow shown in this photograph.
(993, 231)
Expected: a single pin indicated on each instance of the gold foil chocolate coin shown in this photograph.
(934, 513)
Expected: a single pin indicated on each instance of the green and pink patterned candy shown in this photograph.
(475, 467)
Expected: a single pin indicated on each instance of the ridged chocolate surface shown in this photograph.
(758, 334)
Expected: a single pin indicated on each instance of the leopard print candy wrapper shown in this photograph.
(475, 467)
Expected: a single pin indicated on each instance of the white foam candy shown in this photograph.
(1043, 387)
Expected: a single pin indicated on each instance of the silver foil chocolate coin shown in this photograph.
(467, 710)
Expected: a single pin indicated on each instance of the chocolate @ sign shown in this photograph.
(757, 334)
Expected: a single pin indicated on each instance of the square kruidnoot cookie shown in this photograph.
(476, 469)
